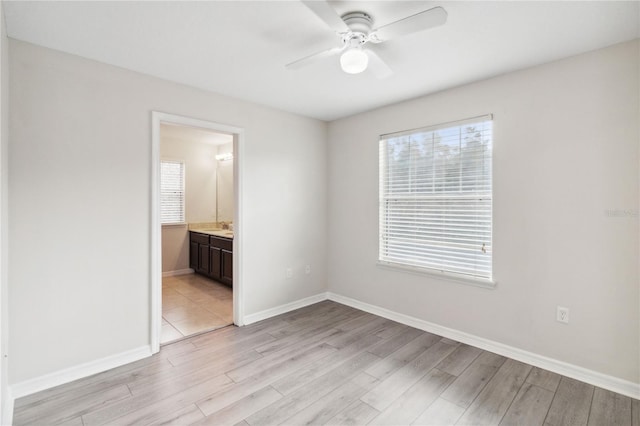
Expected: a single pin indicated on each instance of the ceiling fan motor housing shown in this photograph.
(358, 22)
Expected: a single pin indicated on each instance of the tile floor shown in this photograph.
(193, 304)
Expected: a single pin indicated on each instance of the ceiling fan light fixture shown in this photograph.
(354, 60)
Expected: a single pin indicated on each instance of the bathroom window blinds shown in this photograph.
(171, 192)
(436, 198)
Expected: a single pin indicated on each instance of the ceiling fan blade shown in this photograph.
(324, 11)
(308, 60)
(379, 67)
(420, 21)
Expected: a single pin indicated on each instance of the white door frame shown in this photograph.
(156, 229)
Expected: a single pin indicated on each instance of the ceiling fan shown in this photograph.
(355, 30)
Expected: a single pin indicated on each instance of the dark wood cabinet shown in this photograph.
(214, 263)
(211, 256)
(203, 259)
(226, 267)
(193, 255)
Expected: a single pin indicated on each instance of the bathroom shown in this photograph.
(197, 211)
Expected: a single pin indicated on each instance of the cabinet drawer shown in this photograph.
(199, 238)
(223, 243)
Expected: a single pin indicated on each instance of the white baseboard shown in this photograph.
(7, 408)
(70, 374)
(272, 312)
(178, 272)
(595, 378)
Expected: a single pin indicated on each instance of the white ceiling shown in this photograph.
(239, 48)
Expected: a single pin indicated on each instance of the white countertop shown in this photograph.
(224, 233)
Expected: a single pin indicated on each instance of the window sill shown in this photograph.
(447, 276)
(174, 225)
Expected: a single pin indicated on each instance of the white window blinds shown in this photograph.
(171, 192)
(435, 198)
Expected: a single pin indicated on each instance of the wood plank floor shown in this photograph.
(325, 364)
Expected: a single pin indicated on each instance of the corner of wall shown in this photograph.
(6, 399)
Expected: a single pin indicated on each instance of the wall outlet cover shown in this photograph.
(562, 314)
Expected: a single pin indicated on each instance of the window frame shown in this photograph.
(448, 275)
(184, 195)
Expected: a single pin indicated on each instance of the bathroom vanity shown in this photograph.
(211, 254)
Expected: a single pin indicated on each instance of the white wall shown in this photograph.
(80, 205)
(224, 177)
(566, 144)
(6, 406)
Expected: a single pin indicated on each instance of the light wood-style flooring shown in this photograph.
(192, 304)
(326, 364)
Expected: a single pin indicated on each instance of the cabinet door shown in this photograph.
(214, 262)
(227, 267)
(193, 256)
(203, 259)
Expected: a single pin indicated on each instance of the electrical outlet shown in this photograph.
(289, 273)
(307, 269)
(562, 314)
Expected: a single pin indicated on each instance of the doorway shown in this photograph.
(184, 269)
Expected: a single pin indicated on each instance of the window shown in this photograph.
(435, 198)
(171, 192)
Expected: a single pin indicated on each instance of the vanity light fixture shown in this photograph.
(224, 157)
